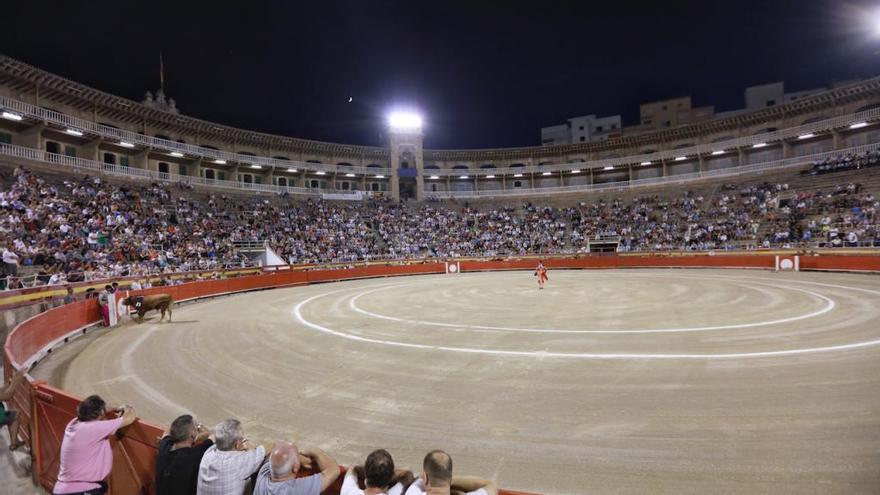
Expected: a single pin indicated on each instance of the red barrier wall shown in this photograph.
(842, 263)
(627, 262)
(47, 410)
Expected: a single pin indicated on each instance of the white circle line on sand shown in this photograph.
(829, 305)
(296, 312)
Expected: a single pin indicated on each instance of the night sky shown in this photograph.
(484, 74)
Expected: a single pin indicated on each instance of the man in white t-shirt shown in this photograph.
(380, 477)
(10, 259)
(437, 479)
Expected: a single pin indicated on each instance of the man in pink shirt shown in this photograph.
(86, 456)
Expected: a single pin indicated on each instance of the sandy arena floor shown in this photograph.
(624, 381)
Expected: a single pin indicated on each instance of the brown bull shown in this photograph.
(142, 304)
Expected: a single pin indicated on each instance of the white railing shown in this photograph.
(78, 164)
(672, 179)
(729, 146)
(692, 152)
(141, 140)
(34, 280)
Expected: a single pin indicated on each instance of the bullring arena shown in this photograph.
(715, 380)
(709, 324)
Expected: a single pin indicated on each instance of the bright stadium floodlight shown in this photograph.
(871, 20)
(11, 116)
(405, 122)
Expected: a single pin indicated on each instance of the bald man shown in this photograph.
(278, 476)
(437, 479)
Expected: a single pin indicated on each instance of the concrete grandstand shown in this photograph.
(96, 188)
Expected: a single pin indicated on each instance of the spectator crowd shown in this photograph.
(79, 229)
(194, 460)
(850, 161)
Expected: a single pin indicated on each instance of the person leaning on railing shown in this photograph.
(9, 417)
(380, 476)
(86, 456)
(279, 475)
(437, 479)
(228, 465)
(180, 453)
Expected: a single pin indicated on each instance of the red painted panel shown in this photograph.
(848, 263)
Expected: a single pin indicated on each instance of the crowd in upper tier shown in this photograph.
(83, 228)
(849, 161)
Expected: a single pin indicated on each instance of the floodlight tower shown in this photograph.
(407, 161)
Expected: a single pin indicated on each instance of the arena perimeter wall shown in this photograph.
(46, 410)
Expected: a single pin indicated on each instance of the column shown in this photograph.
(141, 159)
(91, 150)
(195, 168)
(420, 171)
(395, 185)
(32, 137)
(837, 140)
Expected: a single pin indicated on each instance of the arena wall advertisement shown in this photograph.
(47, 410)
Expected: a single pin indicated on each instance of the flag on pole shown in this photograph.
(161, 73)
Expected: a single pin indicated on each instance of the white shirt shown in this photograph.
(10, 257)
(226, 472)
(350, 486)
(418, 488)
